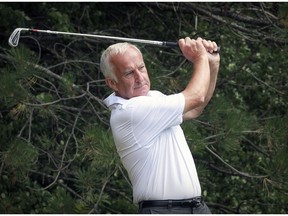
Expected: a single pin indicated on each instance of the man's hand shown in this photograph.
(210, 46)
(194, 50)
(214, 58)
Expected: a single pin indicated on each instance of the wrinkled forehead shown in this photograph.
(120, 48)
(129, 54)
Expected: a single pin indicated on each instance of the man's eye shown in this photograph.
(129, 73)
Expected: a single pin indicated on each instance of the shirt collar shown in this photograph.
(113, 100)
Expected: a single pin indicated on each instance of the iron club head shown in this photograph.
(15, 36)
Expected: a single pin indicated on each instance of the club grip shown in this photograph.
(175, 44)
(170, 44)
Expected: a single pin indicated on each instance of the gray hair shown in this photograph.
(106, 66)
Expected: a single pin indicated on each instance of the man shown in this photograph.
(146, 125)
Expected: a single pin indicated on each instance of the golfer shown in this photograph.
(146, 125)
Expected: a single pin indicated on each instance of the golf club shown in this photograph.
(15, 36)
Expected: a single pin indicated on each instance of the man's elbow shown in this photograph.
(193, 101)
(192, 114)
(201, 100)
(198, 101)
(194, 107)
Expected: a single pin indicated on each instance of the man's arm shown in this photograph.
(203, 81)
(196, 90)
(194, 113)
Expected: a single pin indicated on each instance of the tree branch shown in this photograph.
(234, 169)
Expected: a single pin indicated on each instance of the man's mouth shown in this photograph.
(140, 86)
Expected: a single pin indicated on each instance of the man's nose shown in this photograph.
(138, 76)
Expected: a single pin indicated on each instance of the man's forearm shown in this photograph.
(200, 88)
(212, 85)
(213, 80)
(197, 88)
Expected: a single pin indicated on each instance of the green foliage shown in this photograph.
(12, 16)
(60, 203)
(61, 21)
(56, 148)
(17, 79)
(26, 156)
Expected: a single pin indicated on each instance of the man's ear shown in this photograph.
(111, 83)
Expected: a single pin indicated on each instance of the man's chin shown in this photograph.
(143, 91)
(140, 94)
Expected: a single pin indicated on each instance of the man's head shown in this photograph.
(124, 69)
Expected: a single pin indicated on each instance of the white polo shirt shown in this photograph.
(152, 146)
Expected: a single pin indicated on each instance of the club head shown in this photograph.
(15, 36)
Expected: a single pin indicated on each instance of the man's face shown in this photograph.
(131, 73)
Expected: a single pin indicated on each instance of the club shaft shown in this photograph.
(14, 38)
(132, 40)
